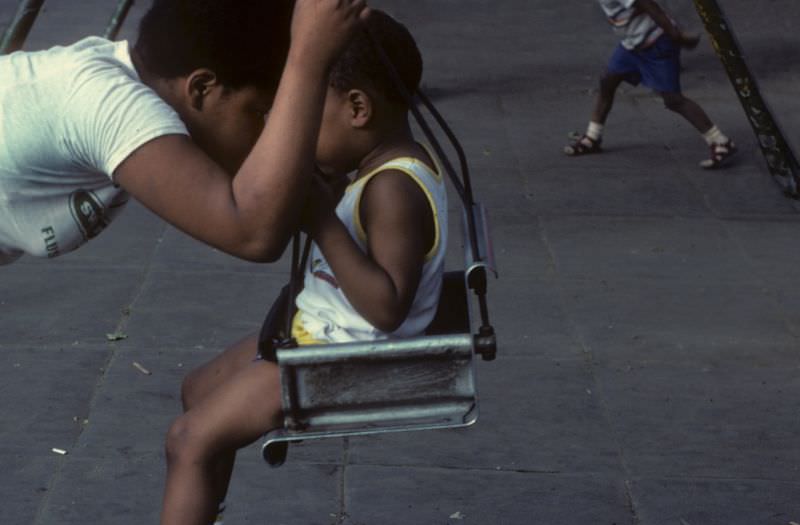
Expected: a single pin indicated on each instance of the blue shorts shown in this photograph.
(657, 66)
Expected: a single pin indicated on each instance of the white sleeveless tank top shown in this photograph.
(325, 314)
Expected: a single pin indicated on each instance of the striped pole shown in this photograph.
(781, 160)
(20, 26)
(118, 19)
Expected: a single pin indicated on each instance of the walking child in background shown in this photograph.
(375, 268)
(649, 53)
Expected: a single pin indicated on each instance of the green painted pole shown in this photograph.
(118, 19)
(781, 160)
(20, 26)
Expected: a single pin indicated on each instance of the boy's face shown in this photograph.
(347, 131)
(229, 124)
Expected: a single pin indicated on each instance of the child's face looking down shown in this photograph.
(343, 131)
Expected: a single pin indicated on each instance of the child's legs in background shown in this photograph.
(604, 101)
(201, 444)
(688, 109)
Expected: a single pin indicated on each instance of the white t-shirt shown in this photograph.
(68, 117)
(325, 312)
(634, 27)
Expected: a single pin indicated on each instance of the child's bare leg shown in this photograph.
(203, 380)
(688, 109)
(722, 148)
(233, 415)
(605, 97)
(590, 141)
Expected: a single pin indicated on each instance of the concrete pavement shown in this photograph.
(647, 311)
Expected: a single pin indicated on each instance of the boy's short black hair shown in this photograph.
(245, 42)
(360, 66)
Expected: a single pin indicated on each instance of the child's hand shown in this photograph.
(688, 41)
(322, 28)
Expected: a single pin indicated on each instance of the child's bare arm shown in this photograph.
(180, 183)
(661, 18)
(398, 221)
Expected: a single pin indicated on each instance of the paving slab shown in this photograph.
(684, 249)
(516, 430)
(685, 420)
(610, 311)
(82, 304)
(715, 502)
(208, 309)
(23, 499)
(58, 386)
(392, 495)
(294, 494)
(586, 190)
(176, 250)
(770, 248)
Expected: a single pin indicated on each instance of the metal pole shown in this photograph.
(781, 160)
(21, 24)
(118, 19)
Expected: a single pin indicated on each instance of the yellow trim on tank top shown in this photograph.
(362, 235)
(300, 334)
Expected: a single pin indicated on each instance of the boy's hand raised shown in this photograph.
(322, 28)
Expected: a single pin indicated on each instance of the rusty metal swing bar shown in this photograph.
(28, 10)
(781, 160)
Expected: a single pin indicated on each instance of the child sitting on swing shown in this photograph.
(375, 268)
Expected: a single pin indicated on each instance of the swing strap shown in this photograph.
(276, 331)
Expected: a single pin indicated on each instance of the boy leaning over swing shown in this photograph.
(375, 268)
(649, 53)
(175, 121)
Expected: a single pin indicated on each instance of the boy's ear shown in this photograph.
(199, 84)
(361, 108)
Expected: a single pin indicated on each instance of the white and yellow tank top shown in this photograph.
(324, 313)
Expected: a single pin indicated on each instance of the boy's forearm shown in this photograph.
(367, 286)
(660, 17)
(274, 179)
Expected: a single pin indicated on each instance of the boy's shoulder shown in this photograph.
(413, 157)
(69, 65)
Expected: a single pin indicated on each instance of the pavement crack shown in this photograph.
(40, 517)
(341, 514)
(630, 502)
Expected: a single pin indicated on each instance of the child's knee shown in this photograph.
(184, 441)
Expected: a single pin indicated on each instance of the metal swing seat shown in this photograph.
(395, 385)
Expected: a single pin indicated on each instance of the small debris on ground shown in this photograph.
(141, 369)
(59, 451)
(456, 516)
(116, 336)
